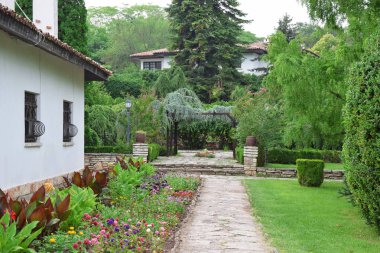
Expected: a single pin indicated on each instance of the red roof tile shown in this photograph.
(164, 51)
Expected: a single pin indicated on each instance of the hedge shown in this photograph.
(153, 151)
(361, 119)
(108, 149)
(289, 156)
(240, 155)
(310, 172)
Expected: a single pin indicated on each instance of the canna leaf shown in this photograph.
(63, 206)
(39, 195)
(77, 179)
(38, 215)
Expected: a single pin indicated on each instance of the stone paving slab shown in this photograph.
(221, 221)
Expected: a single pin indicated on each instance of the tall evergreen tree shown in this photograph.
(286, 27)
(206, 34)
(72, 26)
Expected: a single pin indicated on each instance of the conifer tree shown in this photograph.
(206, 33)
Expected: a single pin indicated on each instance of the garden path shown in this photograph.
(221, 220)
(187, 162)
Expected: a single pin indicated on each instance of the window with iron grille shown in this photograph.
(30, 116)
(152, 65)
(66, 121)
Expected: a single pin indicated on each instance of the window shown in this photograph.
(33, 127)
(69, 130)
(152, 65)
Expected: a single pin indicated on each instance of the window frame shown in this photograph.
(152, 65)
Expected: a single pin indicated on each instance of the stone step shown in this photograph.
(201, 169)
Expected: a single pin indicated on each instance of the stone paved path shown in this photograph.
(221, 221)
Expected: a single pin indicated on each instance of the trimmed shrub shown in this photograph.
(153, 151)
(289, 156)
(240, 155)
(362, 143)
(108, 149)
(310, 172)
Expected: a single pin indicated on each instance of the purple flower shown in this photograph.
(116, 229)
(135, 231)
(113, 239)
(126, 233)
(126, 226)
(110, 221)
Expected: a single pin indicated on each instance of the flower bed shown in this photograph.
(136, 209)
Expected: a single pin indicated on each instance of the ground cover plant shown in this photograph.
(302, 219)
(136, 211)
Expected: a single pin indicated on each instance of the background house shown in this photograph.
(42, 94)
(161, 58)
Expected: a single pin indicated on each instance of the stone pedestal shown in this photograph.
(140, 150)
(250, 160)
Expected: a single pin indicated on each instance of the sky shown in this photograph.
(264, 13)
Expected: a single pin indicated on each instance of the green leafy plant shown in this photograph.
(13, 241)
(240, 155)
(310, 172)
(83, 200)
(39, 208)
(96, 180)
(153, 151)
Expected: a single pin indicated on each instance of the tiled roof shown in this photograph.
(31, 28)
(164, 51)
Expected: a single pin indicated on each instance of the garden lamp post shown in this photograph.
(128, 105)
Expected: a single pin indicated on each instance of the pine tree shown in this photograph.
(286, 27)
(72, 25)
(206, 35)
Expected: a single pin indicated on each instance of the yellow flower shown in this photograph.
(48, 187)
(71, 232)
(81, 233)
(52, 240)
(71, 228)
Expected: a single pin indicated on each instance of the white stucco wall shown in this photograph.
(251, 61)
(165, 61)
(26, 68)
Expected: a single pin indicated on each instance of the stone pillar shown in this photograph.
(141, 150)
(250, 160)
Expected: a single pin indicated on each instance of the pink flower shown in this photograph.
(102, 232)
(86, 216)
(86, 241)
(75, 245)
(157, 232)
(94, 241)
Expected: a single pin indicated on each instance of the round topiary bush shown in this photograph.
(310, 172)
(361, 151)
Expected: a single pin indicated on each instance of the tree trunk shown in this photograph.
(175, 138)
(167, 141)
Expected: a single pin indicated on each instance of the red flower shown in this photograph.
(75, 245)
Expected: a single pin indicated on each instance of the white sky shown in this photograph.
(265, 13)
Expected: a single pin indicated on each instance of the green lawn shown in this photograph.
(300, 219)
(328, 166)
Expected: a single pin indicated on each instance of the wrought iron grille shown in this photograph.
(152, 65)
(69, 130)
(33, 127)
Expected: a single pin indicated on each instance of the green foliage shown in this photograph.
(72, 26)
(126, 82)
(285, 26)
(15, 241)
(288, 156)
(108, 149)
(83, 200)
(145, 26)
(259, 117)
(102, 119)
(207, 36)
(96, 94)
(247, 37)
(183, 183)
(316, 119)
(362, 142)
(91, 137)
(310, 172)
(170, 81)
(240, 154)
(153, 151)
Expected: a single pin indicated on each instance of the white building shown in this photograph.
(161, 59)
(42, 98)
